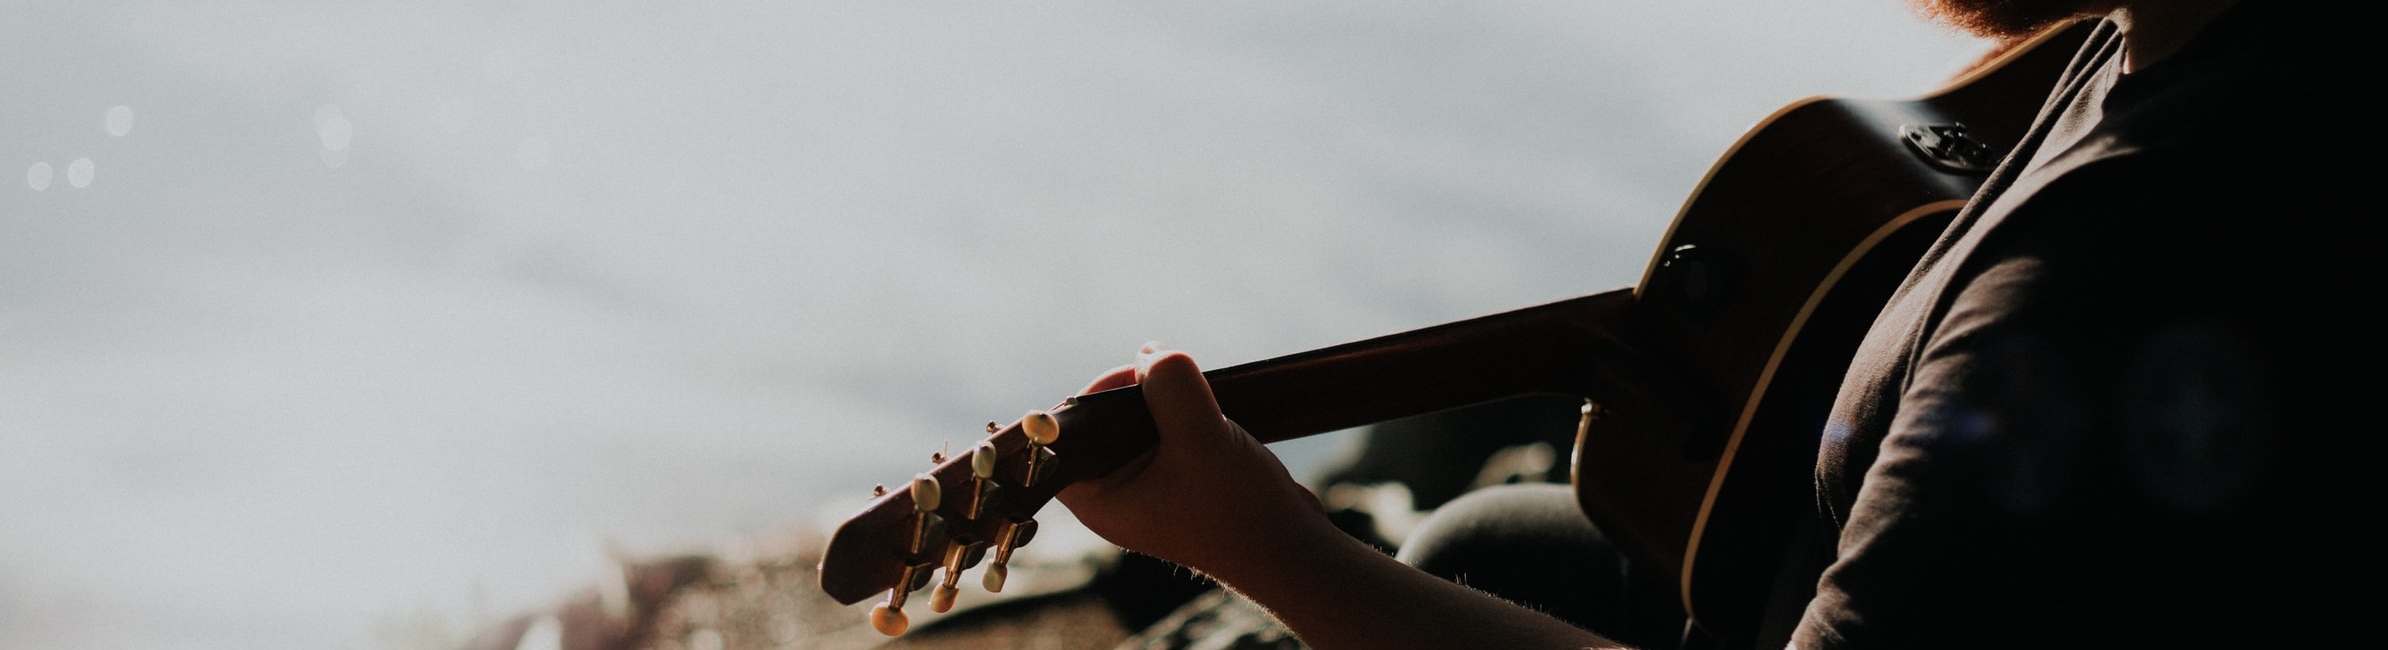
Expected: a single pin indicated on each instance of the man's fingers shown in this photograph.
(1174, 389)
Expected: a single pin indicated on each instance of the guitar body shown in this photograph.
(1713, 375)
(1764, 286)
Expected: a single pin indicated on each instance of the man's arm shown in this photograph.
(1211, 498)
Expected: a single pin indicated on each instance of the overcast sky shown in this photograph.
(319, 315)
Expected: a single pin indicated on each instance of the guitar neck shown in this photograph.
(1572, 347)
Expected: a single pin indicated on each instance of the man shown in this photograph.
(2118, 403)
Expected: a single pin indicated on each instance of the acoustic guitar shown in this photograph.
(1706, 384)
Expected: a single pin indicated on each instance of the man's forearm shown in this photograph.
(1337, 592)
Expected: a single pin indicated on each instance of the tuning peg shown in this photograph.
(888, 616)
(888, 620)
(928, 532)
(982, 459)
(926, 493)
(958, 558)
(996, 573)
(1016, 534)
(983, 488)
(942, 600)
(928, 529)
(1042, 430)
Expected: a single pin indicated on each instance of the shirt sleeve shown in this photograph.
(1987, 437)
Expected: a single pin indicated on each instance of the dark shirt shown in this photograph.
(2127, 398)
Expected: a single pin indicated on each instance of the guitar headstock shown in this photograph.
(977, 506)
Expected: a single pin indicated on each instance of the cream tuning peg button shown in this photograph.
(1041, 427)
(1015, 534)
(958, 558)
(1042, 430)
(995, 574)
(889, 620)
(942, 600)
(926, 493)
(888, 616)
(982, 460)
(983, 488)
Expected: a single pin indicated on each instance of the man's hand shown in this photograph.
(1210, 497)
(1207, 496)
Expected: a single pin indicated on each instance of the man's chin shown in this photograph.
(2002, 19)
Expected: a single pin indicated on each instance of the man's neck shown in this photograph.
(2154, 29)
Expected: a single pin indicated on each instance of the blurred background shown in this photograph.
(340, 324)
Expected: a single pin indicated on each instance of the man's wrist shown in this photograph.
(1301, 558)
